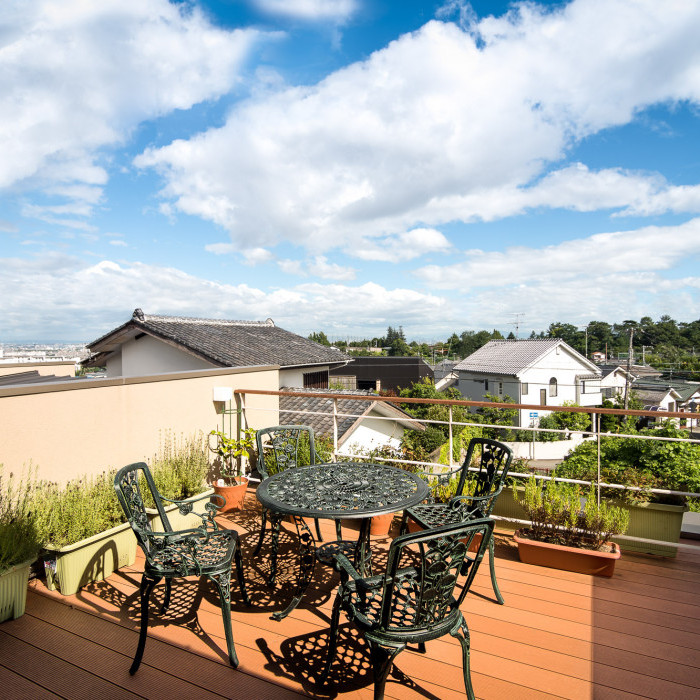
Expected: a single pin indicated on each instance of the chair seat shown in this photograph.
(192, 555)
(436, 514)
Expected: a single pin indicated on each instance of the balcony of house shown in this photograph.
(558, 634)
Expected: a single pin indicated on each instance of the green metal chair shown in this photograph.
(413, 602)
(283, 447)
(493, 463)
(202, 551)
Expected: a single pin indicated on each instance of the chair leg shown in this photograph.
(403, 529)
(147, 585)
(256, 551)
(464, 641)
(492, 568)
(381, 659)
(223, 584)
(332, 641)
(166, 597)
(239, 574)
(275, 529)
(338, 531)
(318, 530)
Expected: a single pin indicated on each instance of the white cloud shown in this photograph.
(310, 10)
(653, 248)
(55, 301)
(401, 247)
(220, 248)
(437, 127)
(76, 77)
(317, 267)
(119, 243)
(256, 256)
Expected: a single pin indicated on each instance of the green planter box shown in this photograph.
(93, 559)
(13, 591)
(178, 521)
(507, 507)
(653, 521)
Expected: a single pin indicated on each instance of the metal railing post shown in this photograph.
(335, 429)
(450, 430)
(595, 423)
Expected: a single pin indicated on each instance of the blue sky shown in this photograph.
(346, 165)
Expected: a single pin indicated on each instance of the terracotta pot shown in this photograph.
(234, 495)
(413, 526)
(381, 524)
(556, 556)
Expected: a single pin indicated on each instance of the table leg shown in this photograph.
(307, 560)
(363, 550)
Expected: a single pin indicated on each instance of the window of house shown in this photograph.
(553, 386)
(524, 389)
(316, 380)
(500, 388)
(486, 385)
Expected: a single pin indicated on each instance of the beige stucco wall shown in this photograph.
(68, 430)
(58, 367)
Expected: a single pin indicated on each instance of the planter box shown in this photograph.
(555, 556)
(13, 591)
(93, 559)
(653, 521)
(506, 506)
(176, 519)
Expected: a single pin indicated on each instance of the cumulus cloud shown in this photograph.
(310, 10)
(401, 247)
(598, 255)
(55, 301)
(76, 77)
(442, 125)
(317, 267)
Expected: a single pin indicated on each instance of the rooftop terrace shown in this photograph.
(559, 635)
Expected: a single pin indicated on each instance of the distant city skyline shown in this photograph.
(346, 165)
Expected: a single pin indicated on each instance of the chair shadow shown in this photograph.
(302, 659)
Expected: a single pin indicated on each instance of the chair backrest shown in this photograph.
(284, 447)
(128, 482)
(493, 462)
(414, 602)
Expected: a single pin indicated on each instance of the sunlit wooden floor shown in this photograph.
(559, 635)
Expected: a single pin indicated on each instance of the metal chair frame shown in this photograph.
(205, 550)
(412, 604)
(494, 461)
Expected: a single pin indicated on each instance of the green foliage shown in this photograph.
(320, 338)
(230, 450)
(87, 506)
(497, 415)
(635, 462)
(572, 422)
(555, 511)
(19, 538)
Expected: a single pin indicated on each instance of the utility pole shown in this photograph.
(629, 370)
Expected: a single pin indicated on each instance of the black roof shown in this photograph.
(222, 342)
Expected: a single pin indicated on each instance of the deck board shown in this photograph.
(559, 635)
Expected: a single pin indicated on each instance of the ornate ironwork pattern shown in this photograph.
(494, 463)
(412, 604)
(201, 551)
(286, 447)
(342, 490)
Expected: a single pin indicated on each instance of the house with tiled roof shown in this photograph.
(362, 426)
(539, 371)
(150, 344)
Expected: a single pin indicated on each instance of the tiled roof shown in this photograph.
(508, 356)
(225, 343)
(317, 411)
(685, 390)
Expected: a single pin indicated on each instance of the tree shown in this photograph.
(320, 338)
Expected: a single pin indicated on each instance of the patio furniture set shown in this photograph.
(413, 601)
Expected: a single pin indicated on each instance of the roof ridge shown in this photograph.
(140, 316)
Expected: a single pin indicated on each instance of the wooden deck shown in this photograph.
(559, 635)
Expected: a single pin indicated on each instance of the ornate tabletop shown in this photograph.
(342, 490)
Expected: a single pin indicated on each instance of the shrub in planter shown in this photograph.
(19, 542)
(560, 523)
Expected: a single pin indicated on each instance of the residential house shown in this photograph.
(613, 381)
(668, 395)
(384, 373)
(148, 344)
(542, 371)
(362, 426)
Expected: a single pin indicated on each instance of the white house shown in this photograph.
(362, 425)
(148, 344)
(546, 372)
(613, 381)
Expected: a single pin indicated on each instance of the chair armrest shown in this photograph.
(345, 567)
(474, 503)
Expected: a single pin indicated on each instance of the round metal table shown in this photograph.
(337, 490)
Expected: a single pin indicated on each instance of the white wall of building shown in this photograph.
(148, 355)
(294, 377)
(371, 433)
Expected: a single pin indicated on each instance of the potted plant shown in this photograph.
(19, 544)
(232, 452)
(565, 535)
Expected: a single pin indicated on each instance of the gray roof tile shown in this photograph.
(507, 356)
